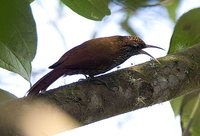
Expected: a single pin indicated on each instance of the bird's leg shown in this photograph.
(92, 78)
(86, 78)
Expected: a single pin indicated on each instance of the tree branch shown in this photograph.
(128, 89)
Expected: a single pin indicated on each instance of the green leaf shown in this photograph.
(132, 5)
(190, 114)
(126, 25)
(186, 32)
(17, 37)
(30, 1)
(176, 105)
(91, 9)
(171, 6)
(6, 96)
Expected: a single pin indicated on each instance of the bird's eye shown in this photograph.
(137, 46)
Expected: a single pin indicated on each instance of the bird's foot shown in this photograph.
(86, 78)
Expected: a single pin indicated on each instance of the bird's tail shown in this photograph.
(45, 82)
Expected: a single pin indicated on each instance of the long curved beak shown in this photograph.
(150, 46)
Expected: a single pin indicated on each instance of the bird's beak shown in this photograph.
(150, 46)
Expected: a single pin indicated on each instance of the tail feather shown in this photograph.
(45, 82)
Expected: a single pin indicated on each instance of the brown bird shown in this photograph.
(91, 58)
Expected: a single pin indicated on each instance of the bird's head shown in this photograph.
(136, 45)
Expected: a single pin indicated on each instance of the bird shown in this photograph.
(91, 58)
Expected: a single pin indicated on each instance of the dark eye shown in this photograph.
(137, 46)
(132, 46)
